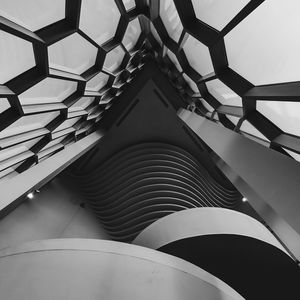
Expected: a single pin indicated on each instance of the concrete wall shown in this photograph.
(53, 213)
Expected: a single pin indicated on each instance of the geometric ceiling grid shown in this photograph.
(244, 64)
(64, 64)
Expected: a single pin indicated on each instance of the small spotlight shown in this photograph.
(30, 196)
(244, 199)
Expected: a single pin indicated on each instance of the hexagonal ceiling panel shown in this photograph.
(295, 155)
(155, 33)
(49, 90)
(217, 13)
(223, 93)
(174, 59)
(129, 4)
(99, 19)
(250, 129)
(191, 83)
(4, 105)
(33, 14)
(132, 34)
(97, 82)
(170, 18)
(83, 103)
(28, 123)
(73, 54)
(16, 56)
(264, 50)
(283, 114)
(114, 59)
(207, 106)
(198, 56)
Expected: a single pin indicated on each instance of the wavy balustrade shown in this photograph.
(146, 182)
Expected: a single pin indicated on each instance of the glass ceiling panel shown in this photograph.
(171, 19)
(114, 59)
(129, 4)
(132, 34)
(49, 151)
(216, 118)
(33, 14)
(49, 90)
(28, 123)
(16, 56)
(82, 103)
(14, 160)
(99, 19)
(31, 143)
(264, 47)
(233, 119)
(66, 124)
(223, 93)
(207, 106)
(155, 33)
(191, 83)
(53, 143)
(94, 114)
(198, 56)
(97, 82)
(73, 54)
(217, 13)
(4, 105)
(45, 157)
(174, 59)
(249, 128)
(9, 172)
(286, 115)
(12, 151)
(295, 155)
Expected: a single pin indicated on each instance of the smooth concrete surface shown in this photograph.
(203, 221)
(53, 213)
(91, 269)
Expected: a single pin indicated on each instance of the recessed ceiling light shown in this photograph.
(244, 199)
(30, 196)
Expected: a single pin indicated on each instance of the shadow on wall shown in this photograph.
(53, 213)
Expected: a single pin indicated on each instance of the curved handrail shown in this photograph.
(98, 269)
(203, 221)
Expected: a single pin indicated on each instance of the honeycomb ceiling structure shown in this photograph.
(240, 61)
(64, 63)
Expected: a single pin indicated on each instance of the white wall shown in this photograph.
(53, 213)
